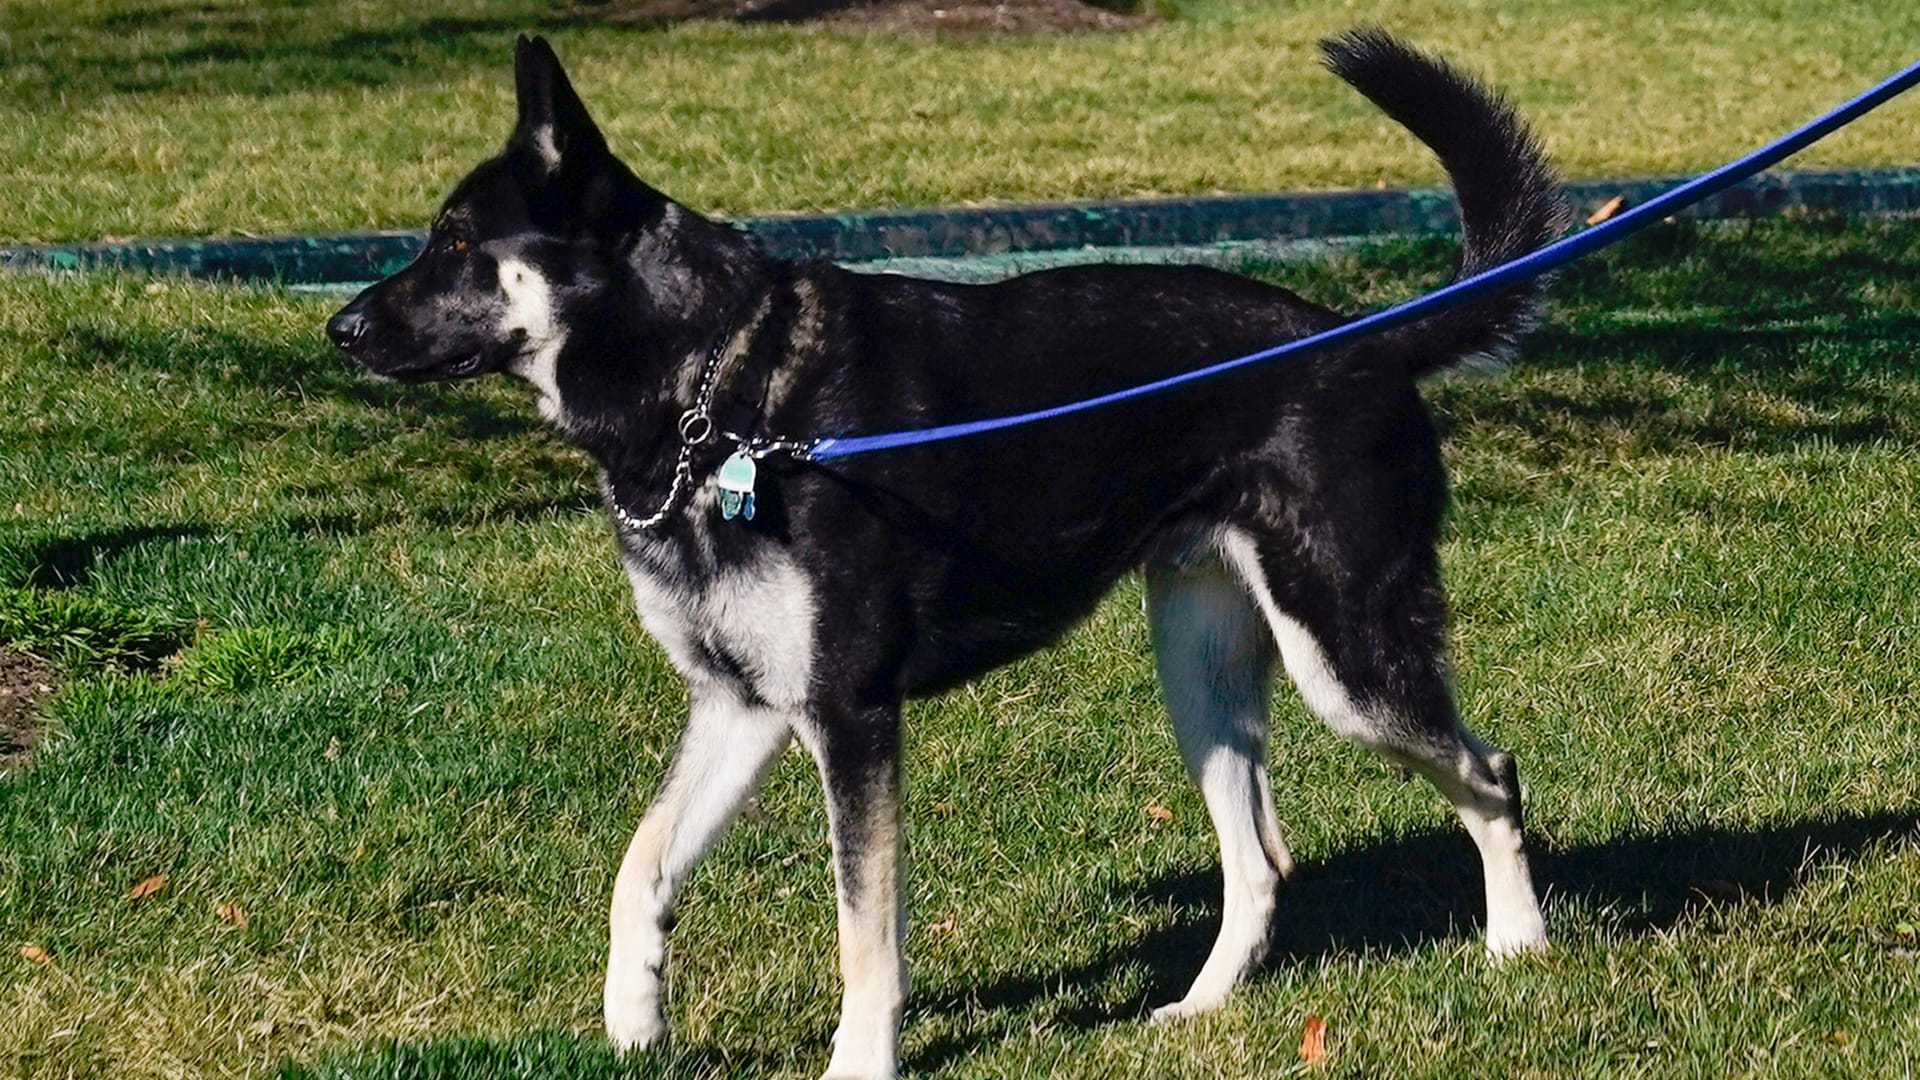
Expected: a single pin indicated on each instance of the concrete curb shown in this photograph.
(881, 235)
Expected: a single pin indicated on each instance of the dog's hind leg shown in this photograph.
(1369, 660)
(723, 755)
(858, 752)
(1215, 660)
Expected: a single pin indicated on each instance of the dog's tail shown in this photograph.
(1509, 196)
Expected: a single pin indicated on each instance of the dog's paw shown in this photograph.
(858, 1070)
(1184, 1008)
(635, 1028)
(1520, 937)
(849, 1063)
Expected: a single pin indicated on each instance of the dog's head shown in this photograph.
(526, 244)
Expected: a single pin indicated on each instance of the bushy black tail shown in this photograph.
(1509, 196)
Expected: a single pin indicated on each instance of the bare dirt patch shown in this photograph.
(939, 16)
(25, 682)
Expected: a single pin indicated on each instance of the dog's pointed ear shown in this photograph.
(553, 123)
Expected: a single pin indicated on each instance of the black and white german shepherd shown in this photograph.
(1282, 512)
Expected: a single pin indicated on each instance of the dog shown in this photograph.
(1285, 512)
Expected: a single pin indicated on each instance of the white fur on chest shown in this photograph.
(760, 613)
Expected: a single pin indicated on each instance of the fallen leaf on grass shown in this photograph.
(942, 808)
(1313, 1041)
(148, 887)
(230, 913)
(944, 926)
(36, 954)
(1607, 209)
(1158, 812)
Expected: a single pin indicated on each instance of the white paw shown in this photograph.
(635, 1025)
(1516, 937)
(1186, 1007)
(860, 1055)
(840, 1070)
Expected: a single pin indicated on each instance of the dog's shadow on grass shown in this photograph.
(1424, 887)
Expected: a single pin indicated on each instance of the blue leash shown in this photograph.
(1527, 266)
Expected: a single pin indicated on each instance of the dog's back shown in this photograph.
(1045, 518)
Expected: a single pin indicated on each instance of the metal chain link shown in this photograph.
(696, 428)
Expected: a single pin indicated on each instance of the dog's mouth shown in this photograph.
(464, 368)
(468, 366)
(437, 371)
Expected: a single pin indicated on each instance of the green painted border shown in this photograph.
(877, 235)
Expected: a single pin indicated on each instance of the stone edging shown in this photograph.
(875, 235)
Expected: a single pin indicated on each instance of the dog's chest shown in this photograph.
(748, 626)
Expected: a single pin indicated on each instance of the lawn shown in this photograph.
(145, 117)
(355, 721)
(351, 665)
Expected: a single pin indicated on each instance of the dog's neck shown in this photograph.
(626, 377)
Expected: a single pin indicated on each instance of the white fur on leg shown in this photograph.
(723, 754)
(873, 965)
(762, 613)
(637, 938)
(867, 871)
(1515, 925)
(1249, 880)
(1214, 660)
(1476, 780)
(866, 1044)
(1514, 922)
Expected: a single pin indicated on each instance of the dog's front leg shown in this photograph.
(858, 751)
(724, 752)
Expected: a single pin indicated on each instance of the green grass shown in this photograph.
(408, 722)
(136, 117)
(82, 631)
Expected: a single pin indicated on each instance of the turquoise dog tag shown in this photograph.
(736, 486)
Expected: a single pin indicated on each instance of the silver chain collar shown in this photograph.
(696, 428)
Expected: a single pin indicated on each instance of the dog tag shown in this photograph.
(736, 486)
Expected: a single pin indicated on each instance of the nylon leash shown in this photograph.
(1531, 265)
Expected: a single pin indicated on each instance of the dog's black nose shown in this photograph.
(346, 326)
